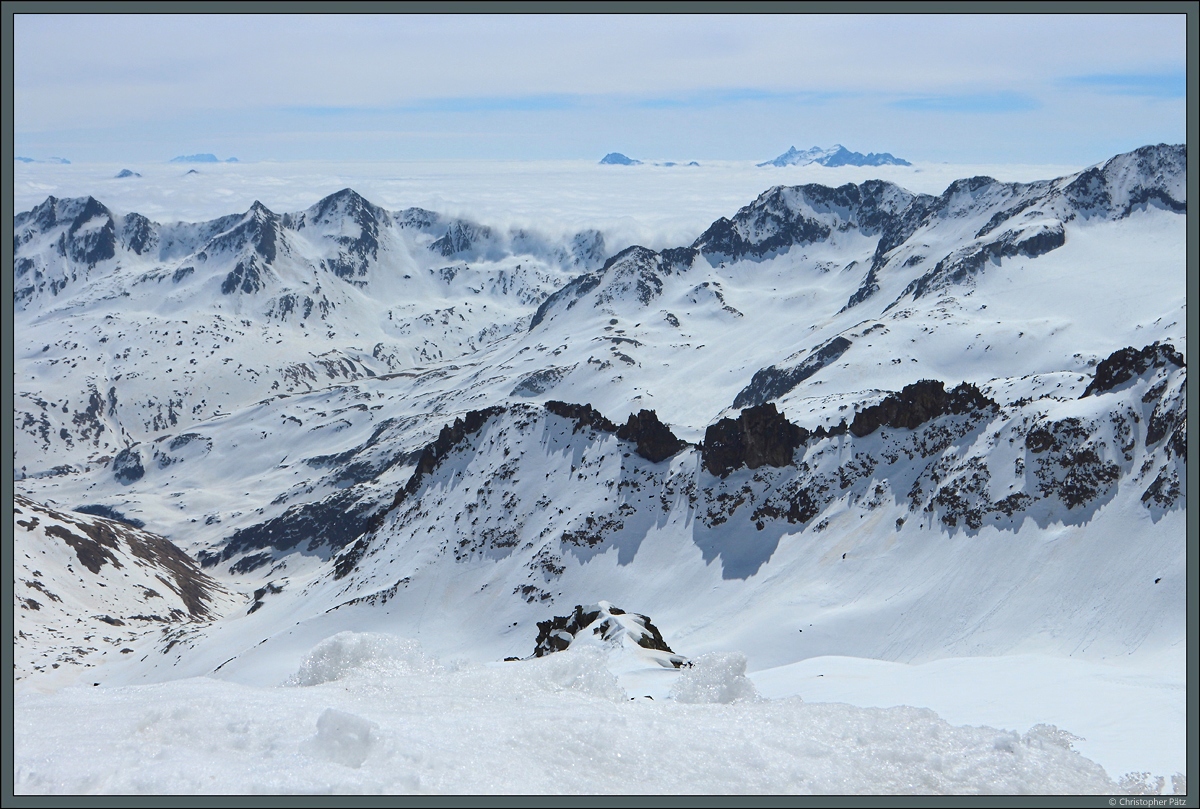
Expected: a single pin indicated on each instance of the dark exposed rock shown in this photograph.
(271, 588)
(138, 233)
(332, 522)
(655, 441)
(246, 276)
(538, 382)
(786, 217)
(338, 520)
(638, 272)
(960, 266)
(250, 563)
(584, 415)
(1178, 442)
(127, 466)
(571, 293)
(91, 245)
(759, 436)
(460, 237)
(258, 229)
(1066, 463)
(435, 452)
(1126, 363)
(92, 552)
(556, 634)
(1092, 191)
(1165, 491)
(918, 403)
(723, 237)
(110, 513)
(771, 383)
(99, 541)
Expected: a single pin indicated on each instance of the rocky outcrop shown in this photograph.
(127, 466)
(461, 237)
(362, 524)
(332, 522)
(1126, 363)
(962, 265)
(450, 435)
(771, 383)
(760, 436)
(584, 415)
(918, 403)
(605, 620)
(655, 441)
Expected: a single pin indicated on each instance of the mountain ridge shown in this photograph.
(836, 155)
(440, 426)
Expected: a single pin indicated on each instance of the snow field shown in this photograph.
(386, 719)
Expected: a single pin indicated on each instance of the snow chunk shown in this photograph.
(343, 738)
(581, 668)
(349, 655)
(715, 677)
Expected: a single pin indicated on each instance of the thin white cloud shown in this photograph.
(249, 73)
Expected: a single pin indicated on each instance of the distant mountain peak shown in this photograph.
(836, 155)
(205, 157)
(618, 159)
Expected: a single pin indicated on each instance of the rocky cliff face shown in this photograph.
(655, 441)
(760, 436)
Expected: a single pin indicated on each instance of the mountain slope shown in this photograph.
(90, 589)
(860, 374)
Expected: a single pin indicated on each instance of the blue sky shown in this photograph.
(940, 88)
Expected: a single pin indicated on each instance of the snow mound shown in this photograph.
(484, 730)
(349, 655)
(715, 677)
(582, 669)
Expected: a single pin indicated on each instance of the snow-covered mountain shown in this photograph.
(618, 159)
(852, 421)
(836, 155)
(205, 157)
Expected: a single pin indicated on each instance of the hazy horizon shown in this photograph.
(1068, 89)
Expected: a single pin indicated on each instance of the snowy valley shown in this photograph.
(352, 499)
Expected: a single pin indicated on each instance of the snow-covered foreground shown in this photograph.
(1129, 717)
(368, 713)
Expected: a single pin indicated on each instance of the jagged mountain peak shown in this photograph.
(836, 155)
(344, 202)
(260, 211)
